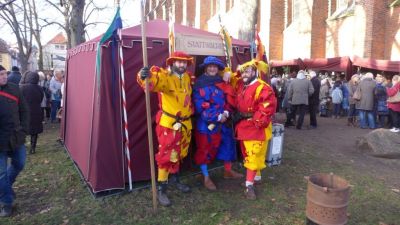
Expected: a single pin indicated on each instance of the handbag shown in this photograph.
(395, 98)
(357, 94)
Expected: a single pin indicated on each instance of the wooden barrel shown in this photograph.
(327, 199)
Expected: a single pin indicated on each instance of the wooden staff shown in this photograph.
(148, 112)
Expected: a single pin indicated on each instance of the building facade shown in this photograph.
(55, 52)
(5, 56)
(293, 29)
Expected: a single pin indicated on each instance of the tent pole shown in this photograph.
(148, 110)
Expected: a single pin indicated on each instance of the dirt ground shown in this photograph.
(335, 141)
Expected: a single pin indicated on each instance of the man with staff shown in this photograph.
(174, 126)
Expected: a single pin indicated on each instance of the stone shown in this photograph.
(380, 143)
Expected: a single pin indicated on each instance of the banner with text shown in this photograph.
(199, 45)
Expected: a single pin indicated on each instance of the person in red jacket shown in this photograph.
(394, 107)
(256, 104)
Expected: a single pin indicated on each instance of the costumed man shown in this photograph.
(212, 114)
(256, 104)
(174, 126)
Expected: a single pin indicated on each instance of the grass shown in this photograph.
(49, 191)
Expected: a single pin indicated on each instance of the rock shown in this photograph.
(380, 143)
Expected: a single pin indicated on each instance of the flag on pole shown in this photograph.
(259, 46)
(111, 32)
(227, 42)
(171, 37)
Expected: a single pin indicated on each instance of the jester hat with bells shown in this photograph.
(256, 64)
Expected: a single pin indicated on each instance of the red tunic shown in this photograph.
(392, 92)
(262, 108)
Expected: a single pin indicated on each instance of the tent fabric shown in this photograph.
(375, 64)
(340, 64)
(280, 63)
(93, 124)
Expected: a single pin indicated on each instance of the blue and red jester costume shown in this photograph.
(211, 112)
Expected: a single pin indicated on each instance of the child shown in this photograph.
(337, 98)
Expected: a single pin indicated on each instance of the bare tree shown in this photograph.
(36, 29)
(76, 18)
(18, 18)
(249, 19)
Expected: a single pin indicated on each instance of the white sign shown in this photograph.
(200, 45)
(276, 145)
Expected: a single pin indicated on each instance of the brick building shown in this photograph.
(297, 28)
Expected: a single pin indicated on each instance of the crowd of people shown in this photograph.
(366, 100)
(26, 100)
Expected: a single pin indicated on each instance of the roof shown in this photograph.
(160, 29)
(58, 39)
(3, 46)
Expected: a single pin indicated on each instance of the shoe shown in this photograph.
(250, 193)
(175, 181)
(312, 127)
(395, 130)
(209, 184)
(162, 194)
(232, 175)
(5, 210)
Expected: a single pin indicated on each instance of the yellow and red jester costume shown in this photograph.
(256, 104)
(174, 126)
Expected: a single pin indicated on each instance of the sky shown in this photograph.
(130, 14)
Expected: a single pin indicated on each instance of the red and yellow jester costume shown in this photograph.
(174, 92)
(256, 104)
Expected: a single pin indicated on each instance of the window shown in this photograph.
(344, 8)
(1, 58)
(57, 47)
(62, 47)
(296, 10)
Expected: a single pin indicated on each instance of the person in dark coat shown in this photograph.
(33, 95)
(365, 105)
(15, 149)
(6, 124)
(15, 76)
(299, 91)
(381, 108)
(313, 101)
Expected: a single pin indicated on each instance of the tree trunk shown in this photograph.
(40, 61)
(249, 9)
(77, 27)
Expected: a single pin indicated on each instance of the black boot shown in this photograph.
(33, 143)
(175, 181)
(162, 194)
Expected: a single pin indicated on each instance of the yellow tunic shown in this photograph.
(174, 95)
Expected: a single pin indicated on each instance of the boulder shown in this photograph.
(380, 143)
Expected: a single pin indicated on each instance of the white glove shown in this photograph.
(211, 126)
(227, 76)
(177, 126)
(226, 113)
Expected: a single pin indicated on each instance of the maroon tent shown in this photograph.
(375, 64)
(281, 63)
(92, 131)
(338, 64)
